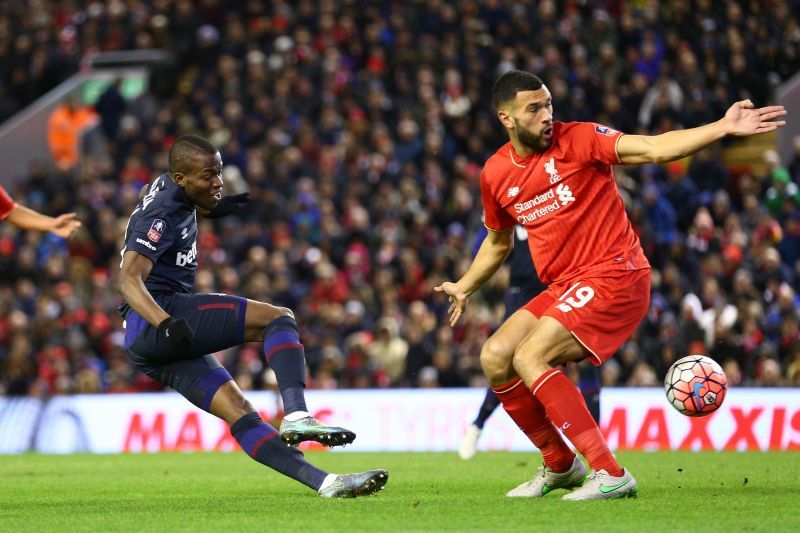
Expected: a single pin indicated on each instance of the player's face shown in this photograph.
(532, 116)
(202, 181)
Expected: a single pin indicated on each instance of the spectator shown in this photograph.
(111, 106)
(388, 351)
(64, 128)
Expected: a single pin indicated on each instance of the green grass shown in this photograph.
(431, 492)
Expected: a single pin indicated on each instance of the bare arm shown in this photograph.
(63, 225)
(493, 251)
(741, 120)
(135, 269)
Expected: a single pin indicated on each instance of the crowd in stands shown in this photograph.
(360, 129)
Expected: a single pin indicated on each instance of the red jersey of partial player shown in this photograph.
(567, 199)
(6, 203)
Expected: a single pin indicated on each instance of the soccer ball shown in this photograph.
(695, 385)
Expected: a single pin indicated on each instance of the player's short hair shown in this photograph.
(509, 84)
(184, 148)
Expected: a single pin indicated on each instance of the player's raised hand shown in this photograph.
(66, 225)
(744, 119)
(177, 331)
(458, 300)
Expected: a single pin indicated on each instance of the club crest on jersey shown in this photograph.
(605, 130)
(513, 191)
(552, 171)
(156, 230)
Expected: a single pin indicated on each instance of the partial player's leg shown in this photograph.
(561, 469)
(595, 316)
(283, 352)
(589, 385)
(468, 446)
(516, 296)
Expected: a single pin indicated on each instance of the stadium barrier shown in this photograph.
(390, 420)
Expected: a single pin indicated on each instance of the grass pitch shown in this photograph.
(426, 492)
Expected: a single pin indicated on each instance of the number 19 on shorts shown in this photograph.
(575, 298)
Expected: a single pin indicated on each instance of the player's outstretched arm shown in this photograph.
(63, 225)
(494, 250)
(741, 120)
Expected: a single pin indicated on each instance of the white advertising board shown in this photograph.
(390, 420)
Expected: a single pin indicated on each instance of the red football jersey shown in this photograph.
(567, 199)
(6, 203)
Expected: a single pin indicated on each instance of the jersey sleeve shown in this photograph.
(6, 203)
(495, 217)
(151, 235)
(595, 143)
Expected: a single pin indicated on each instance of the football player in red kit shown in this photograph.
(25, 218)
(556, 180)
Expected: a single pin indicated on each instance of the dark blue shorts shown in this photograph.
(218, 324)
(518, 295)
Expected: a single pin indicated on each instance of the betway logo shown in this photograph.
(529, 210)
(146, 244)
(185, 258)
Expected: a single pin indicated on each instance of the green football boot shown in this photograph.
(601, 485)
(547, 481)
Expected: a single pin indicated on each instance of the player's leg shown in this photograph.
(562, 468)
(551, 345)
(489, 404)
(515, 297)
(259, 441)
(283, 352)
(208, 385)
(468, 446)
(589, 385)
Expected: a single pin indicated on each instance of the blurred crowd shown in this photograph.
(360, 129)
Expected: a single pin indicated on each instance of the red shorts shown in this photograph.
(601, 312)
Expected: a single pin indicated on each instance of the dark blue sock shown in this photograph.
(284, 354)
(490, 403)
(260, 441)
(589, 384)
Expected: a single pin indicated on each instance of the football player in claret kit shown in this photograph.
(171, 333)
(556, 179)
(523, 286)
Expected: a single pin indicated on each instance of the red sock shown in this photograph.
(529, 415)
(567, 409)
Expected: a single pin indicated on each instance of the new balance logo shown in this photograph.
(550, 168)
(513, 191)
(184, 233)
(564, 194)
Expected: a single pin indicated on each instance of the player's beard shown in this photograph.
(536, 143)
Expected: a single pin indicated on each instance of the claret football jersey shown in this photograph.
(567, 200)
